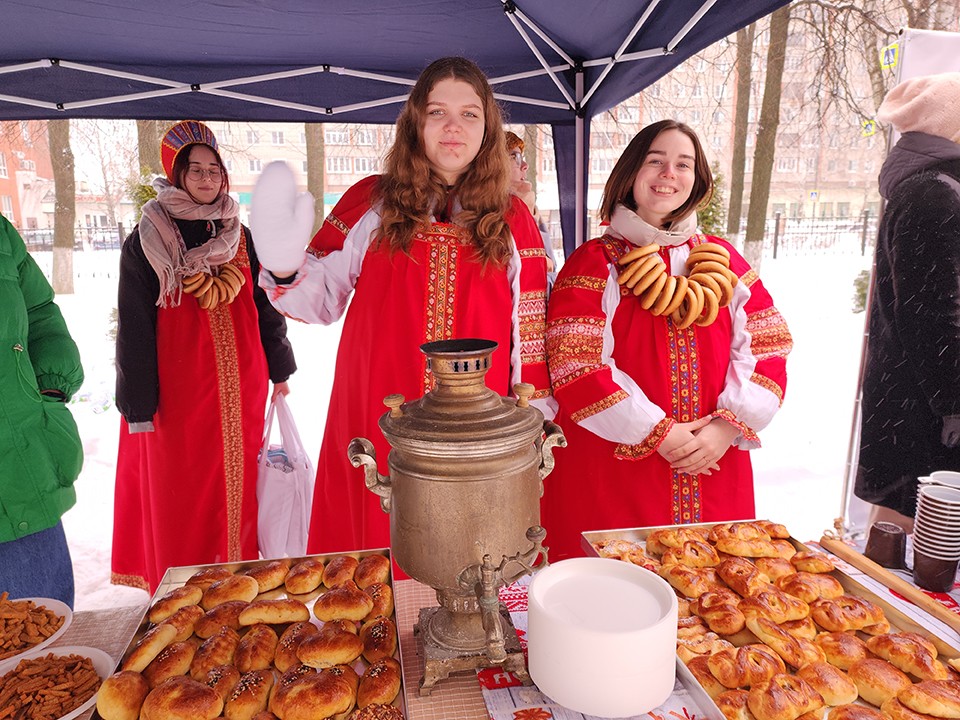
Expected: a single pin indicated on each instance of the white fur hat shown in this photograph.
(928, 104)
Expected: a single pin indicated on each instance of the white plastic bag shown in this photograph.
(284, 488)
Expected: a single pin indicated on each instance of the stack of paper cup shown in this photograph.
(936, 537)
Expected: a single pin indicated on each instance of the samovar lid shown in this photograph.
(461, 408)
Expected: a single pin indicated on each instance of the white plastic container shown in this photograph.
(602, 636)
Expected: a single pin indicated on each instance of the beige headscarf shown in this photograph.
(165, 249)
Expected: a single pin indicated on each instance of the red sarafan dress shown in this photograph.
(186, 492)
(623, 377)
(439, 290)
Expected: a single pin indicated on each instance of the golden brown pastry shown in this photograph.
(630, 552)
(842, 649)
(223, 679)
(810, 652)
(940, 698)
(783, 697)
(380, 683)
(379, 638)
(377, 712)
(691, 582)
(777, 639)
(150, 645)
(345, 601)
(896, 710)
(304, 577)
(784, 548)
(910, 653)
(774, 605)
(329, 647)
(847, 612)
(256, 649)
(216, 650)
(274, 612)
(270, 574)
(659, 541)
(699, 667)
(746, 666)
(283, 683)
(832, 683)
(746, 548)
(741, 530)
(774, 568)
(208, 576)
(174, 600)
(339, 570)
(224, 615)
(813, 562)
(314, 695)
(382, 596)
(877, 680)
(693, 553)
(810, 586)
(250, 695)
(804, 629)
(719, 609)
(235, 587)
(286, 655)
(181, 698)
(185, 620)
(121, 696)
(733, 705)
(855, 712)
(372, 569)
(774, 530)
(742, 576)
(173, 660)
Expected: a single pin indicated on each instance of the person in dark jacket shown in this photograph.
(197, 341)
(910, 422)
(40, 449)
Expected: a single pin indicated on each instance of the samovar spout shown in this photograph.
(486, 579)
(361, 452)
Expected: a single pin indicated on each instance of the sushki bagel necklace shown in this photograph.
(212, 290)
(695, 298)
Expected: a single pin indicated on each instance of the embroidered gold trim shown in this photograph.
(768, 384)
(599, 406)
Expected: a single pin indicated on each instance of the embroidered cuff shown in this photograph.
(745, 432)
(649, 445)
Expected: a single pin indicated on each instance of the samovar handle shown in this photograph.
(552, 437)
(361, 452)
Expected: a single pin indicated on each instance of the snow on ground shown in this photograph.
(799, 472)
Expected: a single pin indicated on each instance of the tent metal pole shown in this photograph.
(182, 90)
(543, 36)
(531, 101)
(620, 50)
(543, 62)
(581, 195)
(35, 65)
(704, 9)
(28, 101)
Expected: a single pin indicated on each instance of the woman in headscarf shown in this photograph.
(197, 343)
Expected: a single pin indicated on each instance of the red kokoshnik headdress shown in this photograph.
(180, 136)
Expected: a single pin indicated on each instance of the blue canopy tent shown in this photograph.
(550, 61)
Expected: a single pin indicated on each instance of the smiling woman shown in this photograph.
(666, 354)
(434, 249)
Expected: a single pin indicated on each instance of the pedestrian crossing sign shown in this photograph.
(889, 56)
(868, 128)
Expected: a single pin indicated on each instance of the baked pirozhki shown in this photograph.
(269, 575)
(223, 679)
(379, 638)
(304, 577)
(842, 649)
(174, 600)
(733, 705)
(286, 655)
(877, 680)
(831, 682)
(810, 586)
(234, 588)
(279, 611)
(185, 621)
(783, 697)
(173, 660)
(224, 615)
(382, 596)
(181, 698)
(208, 576)
(346, 601)
(380, 683)
(909, 653)
(813, 562)
(855, 712)
(939, 698)
(746, 666)
(256, 649)
(249, 696)
(218, 649)
(377, 712)
(121, 696)
(372, 569)
(340, 570)
(150, 645)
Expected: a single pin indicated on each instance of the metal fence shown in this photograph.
(84, 238)
(820, 236)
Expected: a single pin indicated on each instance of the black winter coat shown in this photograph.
(912, 378)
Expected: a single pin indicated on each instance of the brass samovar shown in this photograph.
(463, 494)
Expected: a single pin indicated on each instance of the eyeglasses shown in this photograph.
(517, 158)
(195, 173)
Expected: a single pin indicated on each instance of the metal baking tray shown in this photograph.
(898, 620)
(177, 576)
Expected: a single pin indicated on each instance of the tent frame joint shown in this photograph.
(509, 7)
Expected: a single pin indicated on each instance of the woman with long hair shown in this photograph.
(666, 355)
(197, 342)
(436, 248)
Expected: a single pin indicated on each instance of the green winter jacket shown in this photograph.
(40, 449)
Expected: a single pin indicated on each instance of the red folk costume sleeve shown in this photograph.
(636, 409)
